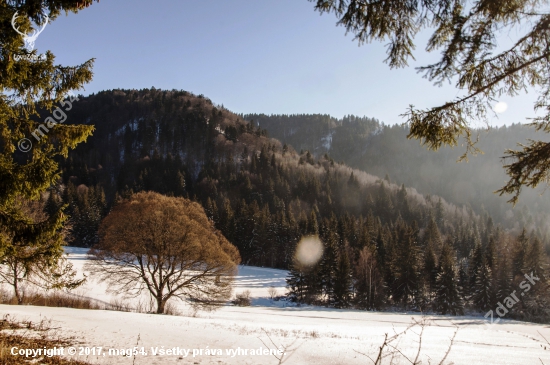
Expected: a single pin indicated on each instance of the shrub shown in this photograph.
(242, 299)
(273, 294)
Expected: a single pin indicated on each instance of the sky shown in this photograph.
(252, 56)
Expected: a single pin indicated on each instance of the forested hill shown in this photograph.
(366, 144)
(384, 244)
(177, 143)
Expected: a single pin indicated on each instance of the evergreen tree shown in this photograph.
(448, 299)
(504, 278)
(227, 219)
(53, 203)
(342, 286)
(384, 205)
(405, 267)
(519, 254)
(296, 283)
(432, 236)
(33, 88)
(329, 262)
(244, 229)
(380, 249)
(534, 260)
(463, 280)
(536, 302)
(180, 184)
(403, 204)
(211, 210)
(439, 215)
(353, 183)
(490, 253)
(477, 261)
(483, 295)
(303, 283)
(312, 226)
(430, 269)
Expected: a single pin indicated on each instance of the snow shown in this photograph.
(327, 140)
(133, 124)
(314, 335)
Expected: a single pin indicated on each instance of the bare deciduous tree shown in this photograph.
(370, 281)
(167, 247)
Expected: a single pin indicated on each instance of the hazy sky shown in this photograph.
(252, 56)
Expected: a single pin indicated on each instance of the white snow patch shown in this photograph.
(316, 335)
(327, 140)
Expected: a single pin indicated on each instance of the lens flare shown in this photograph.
(500, 107)
(309, 250)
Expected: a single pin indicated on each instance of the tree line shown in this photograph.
(404, 266)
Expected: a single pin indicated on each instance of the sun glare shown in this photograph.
(500, 107)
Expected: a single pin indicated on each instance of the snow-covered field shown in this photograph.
(312, 335)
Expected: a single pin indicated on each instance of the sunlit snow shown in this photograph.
(314, 335)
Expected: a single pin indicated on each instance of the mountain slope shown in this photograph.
(177, 143)
(368, 145)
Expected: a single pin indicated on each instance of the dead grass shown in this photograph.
(70, 300)
(119, 305)
(27, 335)
(51, 299)
(171, 309)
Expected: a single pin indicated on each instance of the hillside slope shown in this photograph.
(256, 189)
(366, 144)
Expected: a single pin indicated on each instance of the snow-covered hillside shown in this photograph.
(311, 335)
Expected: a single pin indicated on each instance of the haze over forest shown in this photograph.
(379, 149)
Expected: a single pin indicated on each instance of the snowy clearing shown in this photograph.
(313, 335)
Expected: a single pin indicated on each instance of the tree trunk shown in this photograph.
(160, 305)
(17, 293)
